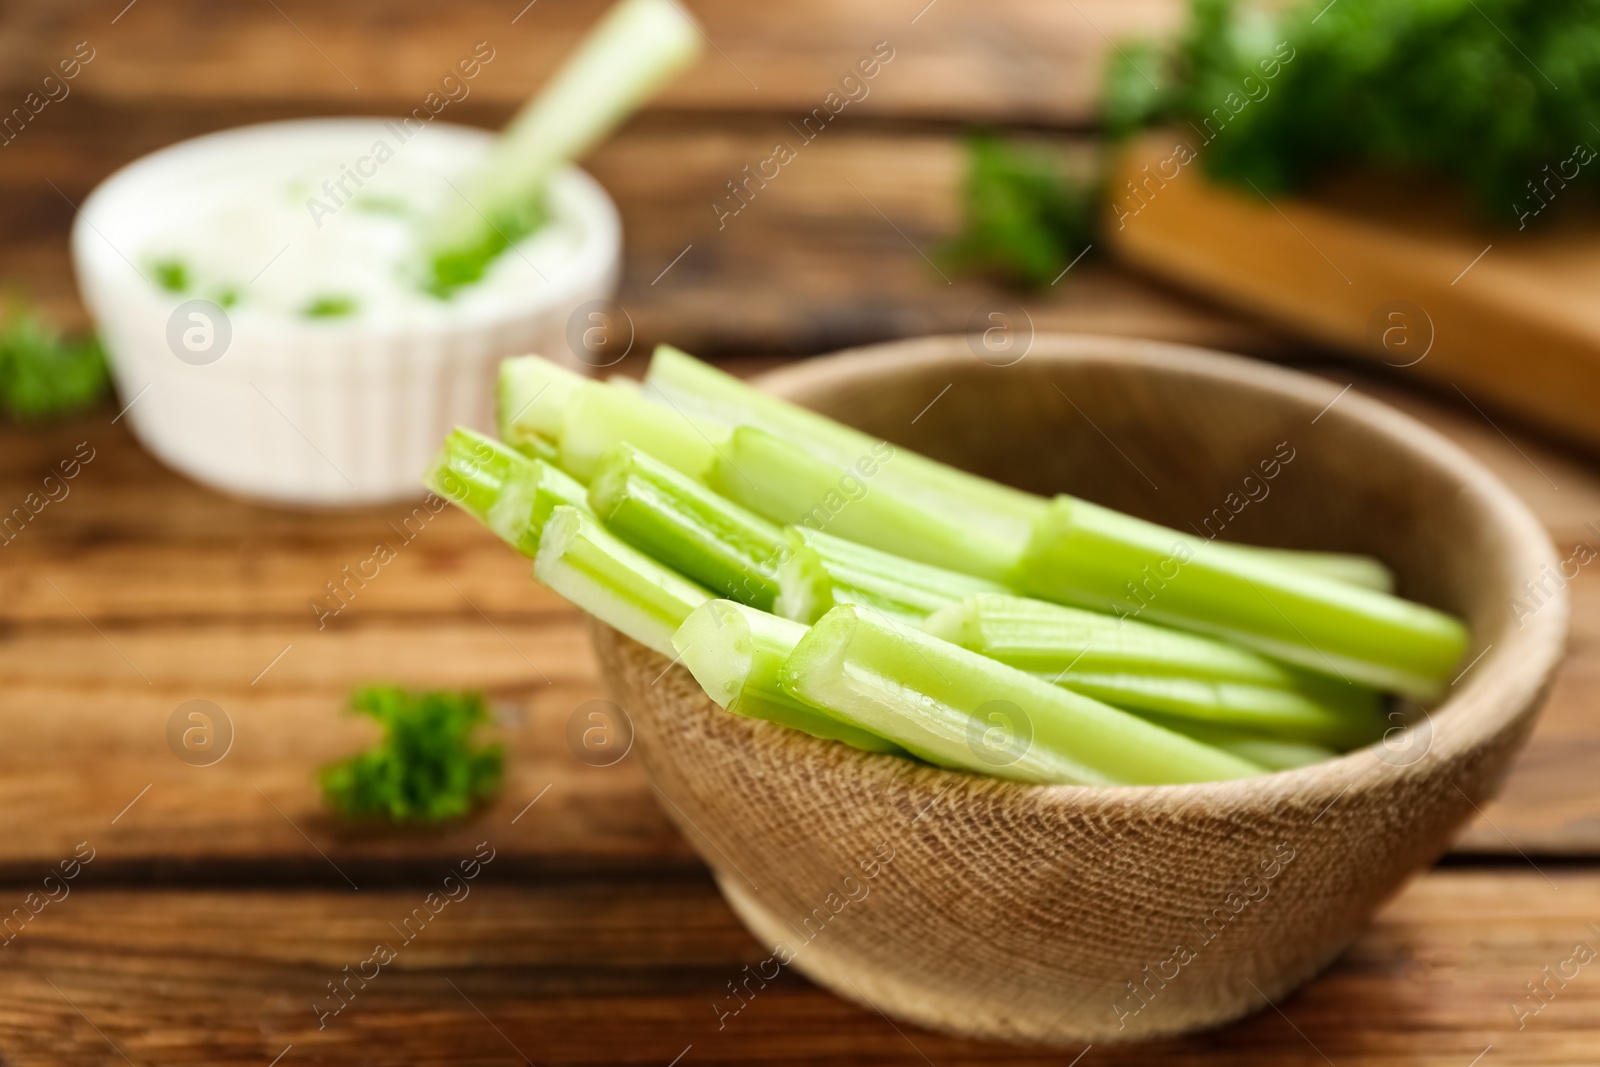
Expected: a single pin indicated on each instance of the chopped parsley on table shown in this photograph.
(426, 768)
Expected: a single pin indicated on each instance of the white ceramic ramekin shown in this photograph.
(316, 412)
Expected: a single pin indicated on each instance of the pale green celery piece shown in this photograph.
(601, 415)
(1287, 714)
(1007, 513)
(1272, 753)
(1096, 558)
(1348, 567)
(626, 58)
(820, 572)
(735, 653)
(957, 709)
(531, 399)
(537, 447)
(691, 529)
(1140, 667)
(553, 488)
(1036, 635)
(701, 389)
(788, 485)
(617, 584)
(505, 490)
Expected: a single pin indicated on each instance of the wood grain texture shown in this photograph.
(633, 973)
(1017, 60)
(1406, 277)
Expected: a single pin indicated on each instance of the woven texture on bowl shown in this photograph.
(1070, 914)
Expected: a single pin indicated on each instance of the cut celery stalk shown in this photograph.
(1286, 714)
(692, 384)
(1349, 567)
(957, 709)
(735, 652)
(1008, 513)
(532, 397)
(696, 386)
(1039, 636)
(617, 584)
(1272, 753)
(471, 470)
(683, 524)
(505, 490)
(821, 572)
(786, 484)
(600, 415)
(1096, 558)
(630, 54)
(1139, 667)
(540, 448)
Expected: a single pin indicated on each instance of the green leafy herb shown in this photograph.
(1024, 220)
(331, 306)
(466, 264)
(171, 275)
(426, 768)
(1502, 96)
(43, 374)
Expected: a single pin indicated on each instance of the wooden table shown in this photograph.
(220, 901)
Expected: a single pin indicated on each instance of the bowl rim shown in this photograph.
(1502, 688)
(102, 267)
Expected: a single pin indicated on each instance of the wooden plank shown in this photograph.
(1015, 60)
(626, 973)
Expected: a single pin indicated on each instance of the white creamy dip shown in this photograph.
(331, 232)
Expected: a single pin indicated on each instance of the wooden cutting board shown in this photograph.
(1406, 276)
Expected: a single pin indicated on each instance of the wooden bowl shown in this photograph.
(1067, 914)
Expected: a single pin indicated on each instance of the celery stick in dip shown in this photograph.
(411, 220)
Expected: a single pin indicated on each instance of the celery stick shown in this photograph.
(629, 55)
(1285, 714)
(1096, 558)
(735, 652)
(540, 448)
(531, 398)
(686, 526)
(957, 709)
(502, 488)
(696, 386)
(1039, 636)
(1272, 753)
(788, 485)
(1139, 667)
(601, 415)
(1340, 566)
(620, 586)
(820, 572)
